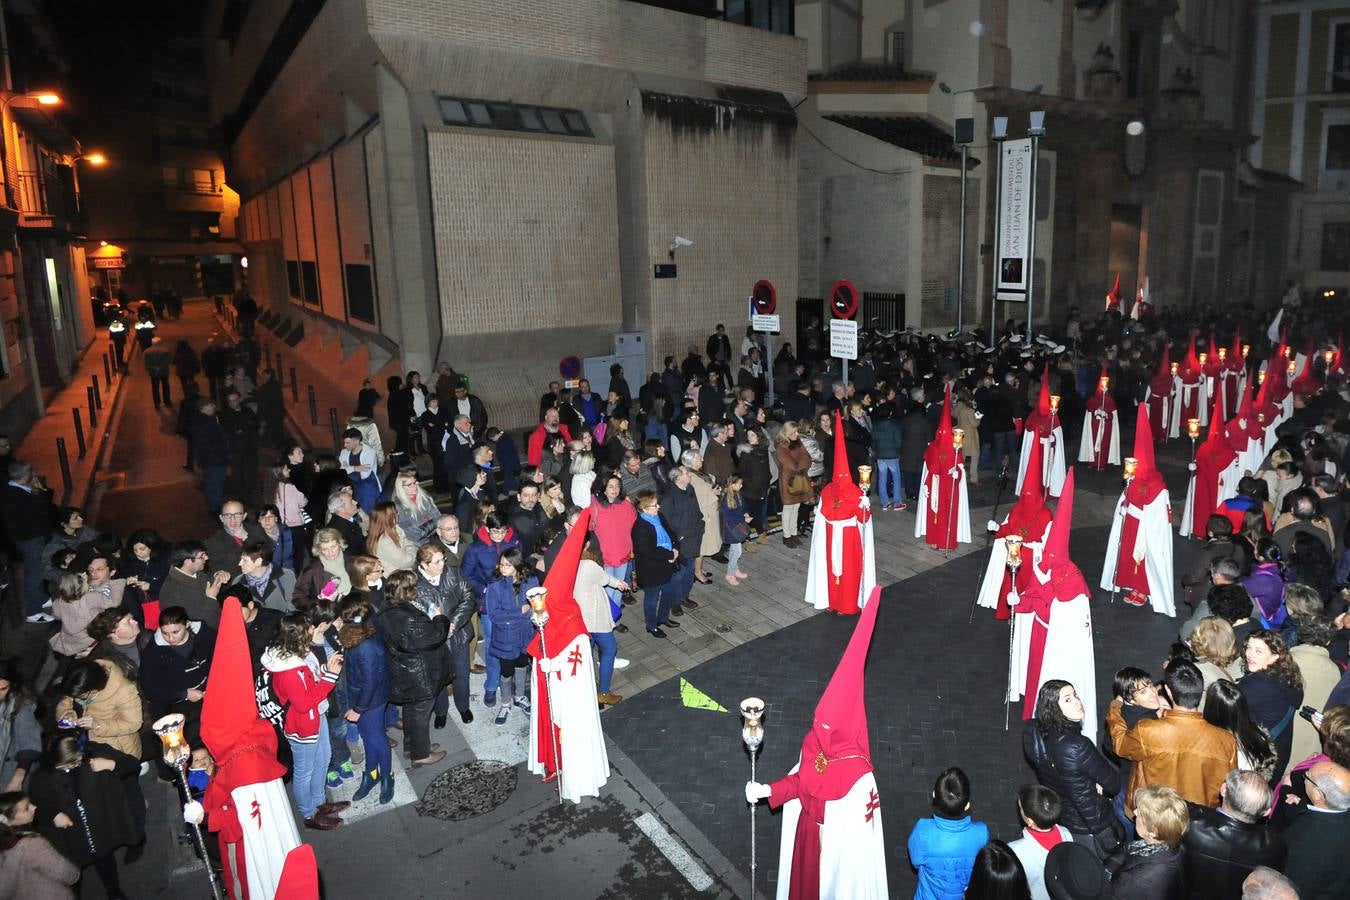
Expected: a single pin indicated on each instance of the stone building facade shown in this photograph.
(493, 184)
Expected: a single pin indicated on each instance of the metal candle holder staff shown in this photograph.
(865, 478)
(1193, 432)
(1013, 543)
(958, 441)
(1131, 466)
(1050, 446)
(1246, 349)
(752, 734)
(537, 597)
(1103, 384)
(177, 754)
(1176, 367)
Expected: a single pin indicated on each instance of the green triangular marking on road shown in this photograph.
(693, 698)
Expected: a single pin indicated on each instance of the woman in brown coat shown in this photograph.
(107, 706)
(793, 460)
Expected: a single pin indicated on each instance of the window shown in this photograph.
(898, 49)
(1337, 157)
(309, 273)
(360, 293)
(513, 117)
(293, 279)
(1340, 57)
(1336, 247)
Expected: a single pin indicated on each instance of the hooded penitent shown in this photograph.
(1161, 399)
(1212, 458)
(1139, 548)
(941, 496)
(842, 570)
(1028, 519)
(1113, 296)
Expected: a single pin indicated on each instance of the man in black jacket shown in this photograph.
(916, 433)
(1224, 845)
(27, 513)
(719, 353)
(528, 519)
(655, 558)
(241, 430)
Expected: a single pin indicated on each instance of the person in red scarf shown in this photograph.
(842, 567)
(832, 844)
(1161, 398)
(943, 515)
(1052, 630)
(1029, 519)
(1101, 427)
(1139, 550)
(1214, 477)
(1191, 391)
(1043, 427)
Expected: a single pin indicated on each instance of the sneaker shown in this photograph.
(885, 507)
(731, 580)
(48, 604)
(489, 699)
(334, 780)
(900, 507)
(502, 713)
(523, 702)
(345, 771)
(620, 662)
(39, 619)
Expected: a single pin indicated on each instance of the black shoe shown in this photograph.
(671, 624)
(439, 722)
(719, 556)
(677, 611)
(689, 603)
(629, 599)
(620, 628)
(465, 716)
(656, 632)
(134, 852)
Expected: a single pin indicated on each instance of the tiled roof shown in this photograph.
(912, 133)
(868, 72)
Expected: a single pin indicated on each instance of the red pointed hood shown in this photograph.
(1212, 359)
(941, 455)
(841, 466)
(1217, 447)
(1113, 295)
(1235, 361)
(230, 719)
(838, 741)
(1043, 401)
(1057, 544)
(1148, 482)
(564, 616)
(1162, 385)
(1190, 369)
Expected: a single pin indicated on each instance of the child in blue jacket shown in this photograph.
(943, 849)
(367, 694)
(512, 631)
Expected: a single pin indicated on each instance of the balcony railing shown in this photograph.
(32, 194)
(49, 199)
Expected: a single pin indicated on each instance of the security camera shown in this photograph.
(678, 243)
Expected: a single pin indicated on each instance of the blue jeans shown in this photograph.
(609, 648)
(734, 557)
(213, 482)
(682, 582)
(656, 603)
(888, 488)
(372, 726)
(492, 664)
(614, 594)
(309, 768)
(34, 595)
(337, 743)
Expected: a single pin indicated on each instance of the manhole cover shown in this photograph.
(469, 790)
(724, 629)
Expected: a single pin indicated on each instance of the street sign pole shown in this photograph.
(763, 309)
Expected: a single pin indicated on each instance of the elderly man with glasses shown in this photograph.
(227, 544)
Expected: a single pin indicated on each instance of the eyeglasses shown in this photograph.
(232, 515)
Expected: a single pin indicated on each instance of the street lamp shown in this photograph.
(43, 98)
(1035, 132)
(94, 159)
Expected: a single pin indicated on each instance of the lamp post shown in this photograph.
(1035, 132)
(1013, 543)
(998, 137)
(177, 753)
(752, 735)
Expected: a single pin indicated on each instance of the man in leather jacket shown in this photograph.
(1224, 845)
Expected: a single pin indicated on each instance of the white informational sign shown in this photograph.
(769, 324)
(1014, 237)
(843, 339)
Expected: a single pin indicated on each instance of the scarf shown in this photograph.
(257, 584)
(662, 537)
(338, 569)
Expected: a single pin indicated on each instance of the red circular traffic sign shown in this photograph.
(764, 297)
(570, 367)
(843, 300)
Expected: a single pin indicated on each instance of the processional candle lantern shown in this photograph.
(1193, 428)
(865, 477)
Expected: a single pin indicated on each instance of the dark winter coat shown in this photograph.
(652, 563)
(680, 509)
(167, 672)
(511, 628)
(1072, 766)
(1150, 872)
(366, 669)
(105, 809)
(916, 433)
(418, 660)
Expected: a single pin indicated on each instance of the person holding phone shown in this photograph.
(302, 686)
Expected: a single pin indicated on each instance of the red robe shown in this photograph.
(941, 499)
(1101, 447)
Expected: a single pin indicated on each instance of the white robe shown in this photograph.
(818, 571)
(1052, 460)
(1092, 437)
(1068, 654)
(1227, 489)
(1154, 538)
(852, 849)
(1169, 421)
(947, 483)
(269, 836)
(998, 566)
(583, 763)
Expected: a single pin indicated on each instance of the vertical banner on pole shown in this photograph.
(1014, 212)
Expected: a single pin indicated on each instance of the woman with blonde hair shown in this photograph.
(367, 574)
(1215, 649)
(583, 477)
(328, 565)
(387, 541)
(794, 479)
(1153, 864)
(806, 433)
(708, 494)
(417, 512)
(553, 502)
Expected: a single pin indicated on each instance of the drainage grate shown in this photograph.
(724, 629)
(469, 790)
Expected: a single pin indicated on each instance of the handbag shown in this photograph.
(799, 484)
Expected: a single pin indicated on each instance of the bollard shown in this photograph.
(93, 410)
(336, 429)
(107, 371)
(64, 458)
(79, 430)
(313, 406)
(98, 395)
(295, 387)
